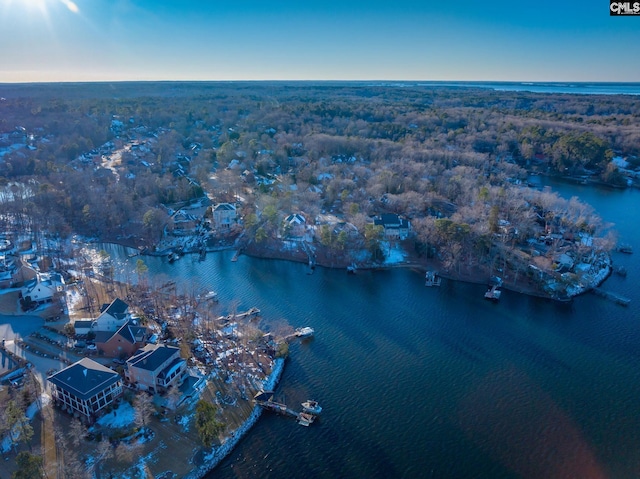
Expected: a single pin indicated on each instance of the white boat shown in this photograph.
(211, 296)
(311, 407)
(304, 332)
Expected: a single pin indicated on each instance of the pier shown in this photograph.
(493, 294)
(264, 399)
(247, 314)
(302, 333)
(616, 298)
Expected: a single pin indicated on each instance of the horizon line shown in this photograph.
(524, 82)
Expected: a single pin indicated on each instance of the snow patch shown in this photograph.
(121, 417)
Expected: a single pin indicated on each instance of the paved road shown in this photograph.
(12, 327)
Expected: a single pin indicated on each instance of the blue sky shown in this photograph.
(86, 40)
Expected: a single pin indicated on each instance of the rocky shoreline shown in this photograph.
(218, 453)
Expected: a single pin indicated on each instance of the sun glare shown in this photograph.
(71, 6)
(41, 5)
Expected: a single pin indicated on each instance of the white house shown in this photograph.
(112, 316)
(43, 289)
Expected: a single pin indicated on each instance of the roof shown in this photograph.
(152, 356)
(128, 331)
(83, 323)
(224, 206)
(117, 308)
(85, 379)
(295, 218)
(390, 220)
(174, 366)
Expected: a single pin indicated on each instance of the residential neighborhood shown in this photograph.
(125, 207)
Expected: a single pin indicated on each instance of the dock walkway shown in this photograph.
(616, 298)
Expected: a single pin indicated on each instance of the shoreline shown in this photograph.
(226, 447)
(472, 277)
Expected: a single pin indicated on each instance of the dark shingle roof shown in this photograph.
(83, 323)
(224, 206)
(117, 308)
(152, 356)
(169, 369)
(85, 379)
(128, 331)
(391, 221)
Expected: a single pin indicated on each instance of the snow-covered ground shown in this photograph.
(122, 416)
(394, 254)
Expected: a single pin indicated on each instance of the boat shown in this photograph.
(351, 269)
(173, 256)
(304, 332)
(432, 279)
(625, 248)
(305, 419)
(311, 407)
(211, 296)
(493, 294)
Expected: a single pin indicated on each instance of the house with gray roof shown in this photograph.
(112, 316)
(155, 367)
(394, 226)
(85, 389)
(295, 225)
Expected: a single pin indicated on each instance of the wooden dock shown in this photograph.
(278, 408)
(247, 314)
(493, 294)
(264, 399)
(616, 298)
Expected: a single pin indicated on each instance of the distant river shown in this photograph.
(437, 382)
(581, 88)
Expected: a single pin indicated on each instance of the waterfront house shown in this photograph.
(112, 316)
(155, 367)
(122, 343)
(394, 226)
(184, 223)
(295, 225)
(42, 290)
(224, 216)
(85, 388)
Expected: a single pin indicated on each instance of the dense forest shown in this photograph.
(113, 161)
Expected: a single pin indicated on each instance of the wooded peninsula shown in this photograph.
(341, 174)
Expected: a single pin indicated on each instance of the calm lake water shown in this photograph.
(437, 382)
